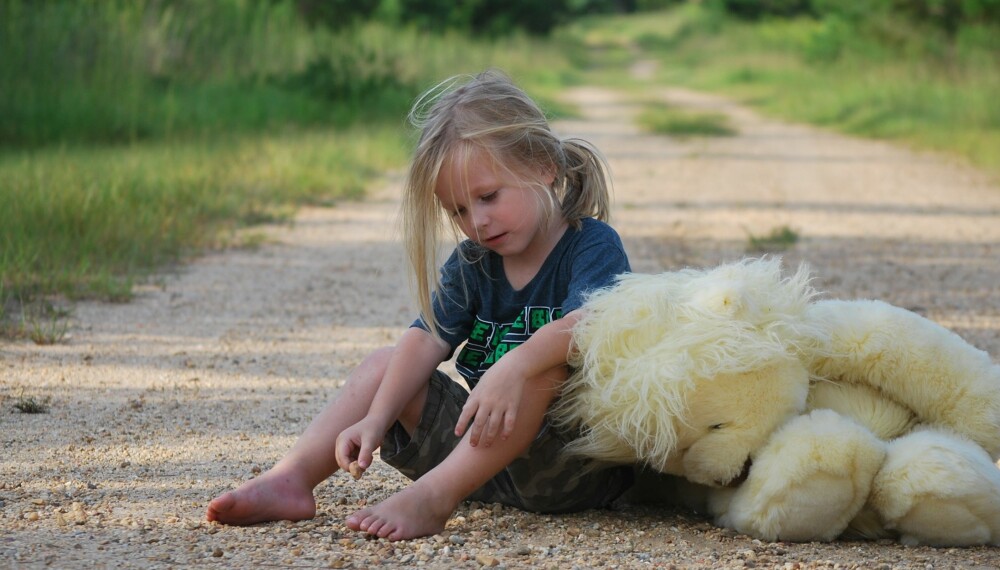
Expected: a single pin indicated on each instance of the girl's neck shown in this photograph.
(521, 269)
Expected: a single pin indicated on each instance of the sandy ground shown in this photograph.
(206, 378)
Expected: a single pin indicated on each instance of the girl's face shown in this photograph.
(493, 207)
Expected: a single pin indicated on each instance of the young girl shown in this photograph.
(527, 202)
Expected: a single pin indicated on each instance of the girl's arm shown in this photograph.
(413, 360)
(494, 401)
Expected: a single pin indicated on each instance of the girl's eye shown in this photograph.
(489, 197)
(458, 212)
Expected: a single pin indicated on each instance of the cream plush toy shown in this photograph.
(799, 419)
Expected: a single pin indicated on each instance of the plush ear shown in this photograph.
(725, 298)
(930, 370)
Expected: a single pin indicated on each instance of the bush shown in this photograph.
(501, 17)
(950, 15)
(336, 14)
(757, 9)
(827, 42)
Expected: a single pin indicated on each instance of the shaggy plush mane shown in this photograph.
(647, 341)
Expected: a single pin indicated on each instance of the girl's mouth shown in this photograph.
(493, 240)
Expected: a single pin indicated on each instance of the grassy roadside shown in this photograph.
(89, 221)
(138, 155)
(880, 78)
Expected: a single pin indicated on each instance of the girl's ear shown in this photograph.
(548, 174)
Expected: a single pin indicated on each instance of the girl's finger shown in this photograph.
(477, 427)
(366, 455)
(343, 453)
(492, 426)
(508, 423)
(468, 412)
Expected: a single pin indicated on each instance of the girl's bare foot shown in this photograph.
(411, 513)
(273, 496)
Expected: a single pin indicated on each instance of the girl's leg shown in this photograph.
(285, 492)
(423, 508)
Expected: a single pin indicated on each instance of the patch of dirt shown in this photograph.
(158, 405)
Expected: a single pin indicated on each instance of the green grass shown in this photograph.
(882, 78)
(90, 221)
(45, 323)
(121, 71)
(779, 239)
(136, 134)
(31, 405)
(673, 121)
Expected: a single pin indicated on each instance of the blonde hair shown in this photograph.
(489, 112)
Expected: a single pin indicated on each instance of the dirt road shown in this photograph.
(207, 377)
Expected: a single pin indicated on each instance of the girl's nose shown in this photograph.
(479, 218)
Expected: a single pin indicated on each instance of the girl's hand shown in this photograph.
(493, 403)
(358, 443)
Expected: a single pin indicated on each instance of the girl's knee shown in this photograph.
(368, 374)
(376, 362)
(380, 354)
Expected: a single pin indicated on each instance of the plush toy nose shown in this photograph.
(739, 479)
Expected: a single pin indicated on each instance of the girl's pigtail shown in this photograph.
(586, 185)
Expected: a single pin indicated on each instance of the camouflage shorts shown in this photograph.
(541, 480)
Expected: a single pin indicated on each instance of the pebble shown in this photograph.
(77, 513)
(486, 560)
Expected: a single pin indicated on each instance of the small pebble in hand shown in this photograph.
(356, 470)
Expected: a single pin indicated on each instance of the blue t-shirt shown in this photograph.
(495, 317)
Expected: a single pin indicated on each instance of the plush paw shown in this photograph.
(807, 483)
(939, 489)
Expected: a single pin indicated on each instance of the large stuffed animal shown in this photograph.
(801, 419)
